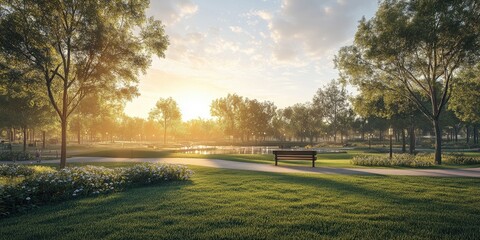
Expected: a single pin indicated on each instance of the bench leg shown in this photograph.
(313, 163)
(275, 161)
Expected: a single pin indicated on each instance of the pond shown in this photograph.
(228, 149)
(202, 149)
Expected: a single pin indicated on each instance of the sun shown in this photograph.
(194, 106)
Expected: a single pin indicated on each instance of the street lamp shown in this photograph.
(390, 133)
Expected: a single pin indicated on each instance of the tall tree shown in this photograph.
(301, 121)
(374, 101)
(23, 107)
(166, 112)
(255, 117)
(466, 104)
(415, 48)
(227, 110)
(333, 100)
(78, 47)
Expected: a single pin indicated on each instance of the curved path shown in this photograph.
(217, 163)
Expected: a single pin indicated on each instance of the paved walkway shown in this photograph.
(217, 163)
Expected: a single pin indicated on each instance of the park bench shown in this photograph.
(295, 155)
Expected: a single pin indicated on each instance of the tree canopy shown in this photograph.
(78, 47)
(415, 48)
(166, 112)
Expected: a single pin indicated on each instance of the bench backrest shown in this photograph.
(283, 152)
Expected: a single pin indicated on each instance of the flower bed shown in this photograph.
(408, 160)
(405, 160)
(46, 186)
(12, 170)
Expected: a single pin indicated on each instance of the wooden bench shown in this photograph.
(295, 155)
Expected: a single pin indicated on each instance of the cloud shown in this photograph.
(236, 29)
(263, 15)
(314, 28)
(172, 11)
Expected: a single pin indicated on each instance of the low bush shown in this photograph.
(154, 173)
(408, 160)
(460, 159)
(403, 160)
(15, 156)
(14, 170)
(47, 186)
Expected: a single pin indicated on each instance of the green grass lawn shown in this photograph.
(228, 204)
(339, 160)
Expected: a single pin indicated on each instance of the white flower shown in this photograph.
(28, 198)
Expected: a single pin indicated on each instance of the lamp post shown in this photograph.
(390, 133)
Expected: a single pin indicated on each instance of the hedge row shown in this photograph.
(48, 186)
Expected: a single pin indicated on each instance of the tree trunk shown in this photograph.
(438, 142)
(9, 134)
(411, 133)
(24, 139)
(43, 139)
(455, 131)
(165, 131)
(468, 133)
(404, 142)
(63, 149)
(79, 141)
(475, 134)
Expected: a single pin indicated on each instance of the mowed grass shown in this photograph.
(323, 160)
(338, 160)
(228, 204)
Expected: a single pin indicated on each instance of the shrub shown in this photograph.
(14, 170)
(155, 173)
(460, 159)
(15, 156)
(404, 160)
(419, 160)
(48, 185)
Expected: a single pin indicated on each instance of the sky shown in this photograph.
(270, 50)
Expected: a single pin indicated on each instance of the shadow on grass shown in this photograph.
(242, 204)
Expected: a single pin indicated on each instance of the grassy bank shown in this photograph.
(244, 205)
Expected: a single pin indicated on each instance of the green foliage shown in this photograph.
(16, 156)
(415, 49)
(47, 186)
(461, 159)
(331, 107)
(402, 160)
(14, 170)
(408, 160)
(147, 173)
(167, 113)
(466, 104)
(242, 117)
(77, 48)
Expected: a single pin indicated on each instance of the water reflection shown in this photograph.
(203, 149)
(228, 149)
